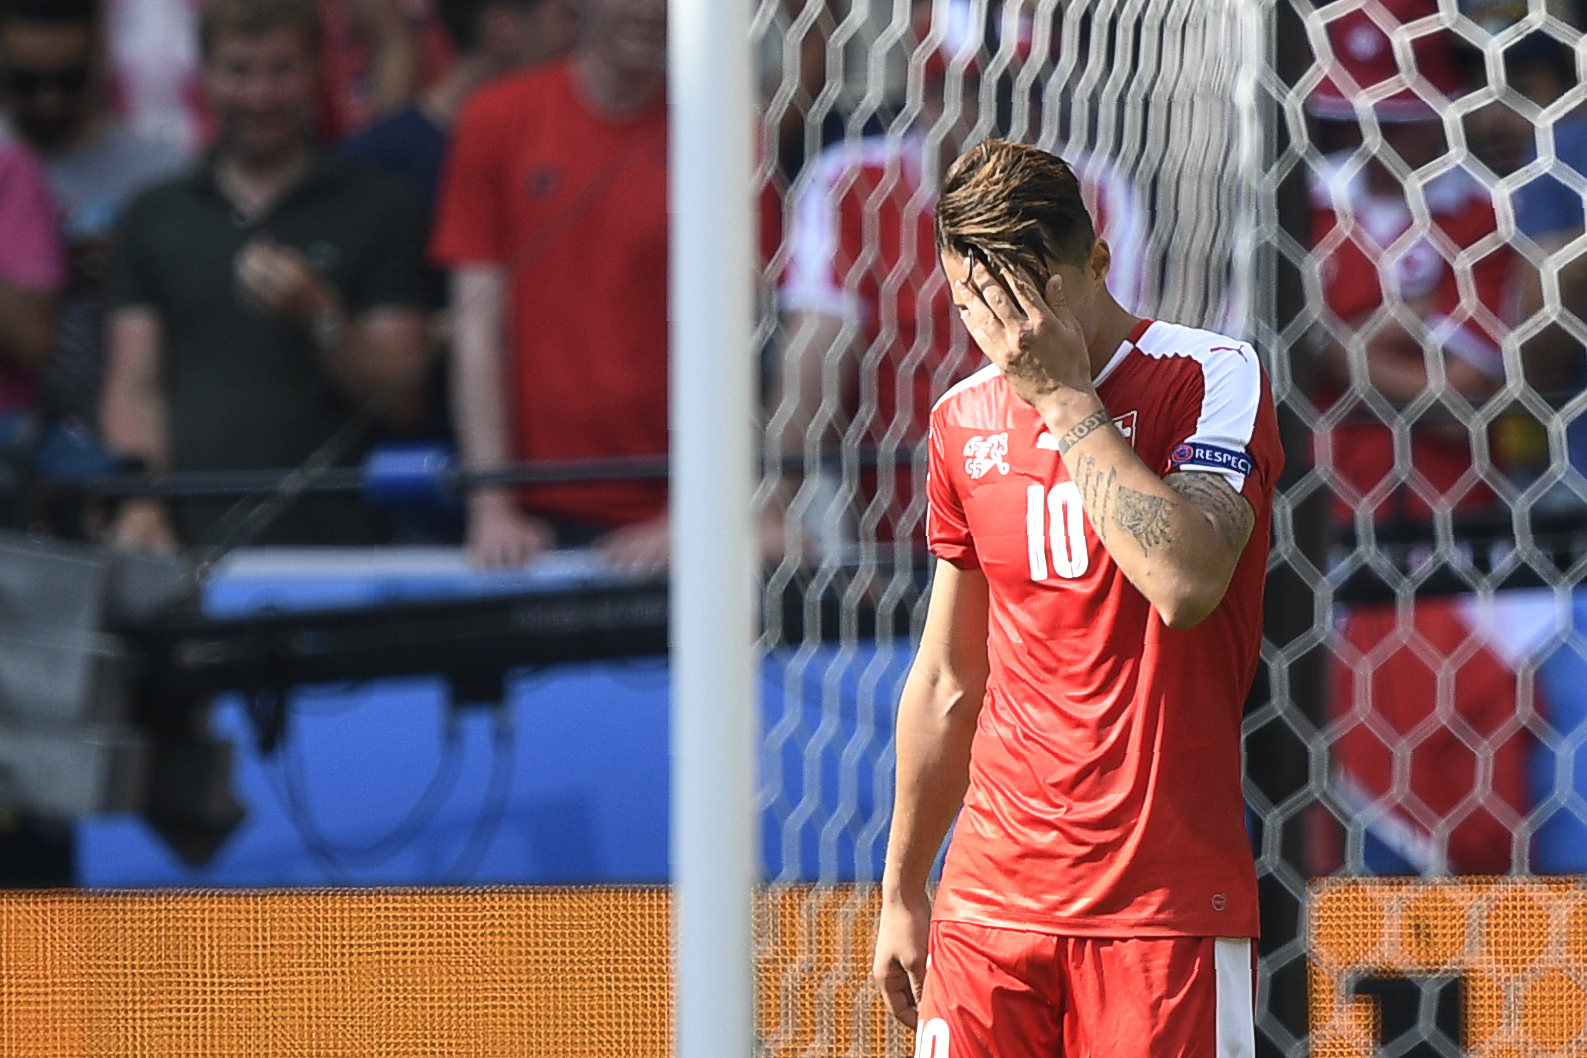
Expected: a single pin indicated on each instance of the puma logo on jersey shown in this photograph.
(1125, 423)
(985, 453)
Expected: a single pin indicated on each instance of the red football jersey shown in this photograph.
(1105, 794)
(573, 206)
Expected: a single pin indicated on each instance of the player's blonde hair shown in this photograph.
(1018, 205)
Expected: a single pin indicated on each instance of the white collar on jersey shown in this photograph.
(1118, 356)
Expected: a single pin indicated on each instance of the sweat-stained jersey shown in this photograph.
(1104, 795)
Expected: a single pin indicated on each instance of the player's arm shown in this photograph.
(936, 724)
(1177, 540)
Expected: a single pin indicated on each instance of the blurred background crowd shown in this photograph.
(229, 226)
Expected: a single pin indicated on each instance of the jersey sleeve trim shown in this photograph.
(1231, 397)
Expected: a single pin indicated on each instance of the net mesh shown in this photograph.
(1253, 168)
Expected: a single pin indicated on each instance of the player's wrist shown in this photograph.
(900, 891)
(1064, 409)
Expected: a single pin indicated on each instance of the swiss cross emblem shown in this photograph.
(983, 454)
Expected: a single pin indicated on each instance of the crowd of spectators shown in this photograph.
(527, 133)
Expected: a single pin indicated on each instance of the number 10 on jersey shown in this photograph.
(1055, 519)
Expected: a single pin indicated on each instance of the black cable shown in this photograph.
(336, 858)
(494, 803)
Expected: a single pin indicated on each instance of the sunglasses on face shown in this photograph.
(71, 80)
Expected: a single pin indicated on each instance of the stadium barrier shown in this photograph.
(1490, 967)
(564, 972)
(1487, 967)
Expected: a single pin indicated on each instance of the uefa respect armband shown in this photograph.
(1192, 454)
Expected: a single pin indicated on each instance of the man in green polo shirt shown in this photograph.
(259, 300)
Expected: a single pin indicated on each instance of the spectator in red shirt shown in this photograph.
(1392, 282)
(553, 221)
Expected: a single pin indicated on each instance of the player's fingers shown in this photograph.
(970, 264)
(1056, 300)
(900, 993)
(1031, 303)
(994, 293)
(917, 982)
(973, 297)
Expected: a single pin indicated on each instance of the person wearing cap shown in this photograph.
(863, 299)
(1413, 279)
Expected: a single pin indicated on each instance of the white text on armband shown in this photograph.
(1191, 454)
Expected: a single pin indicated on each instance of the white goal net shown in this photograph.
(1377, 193)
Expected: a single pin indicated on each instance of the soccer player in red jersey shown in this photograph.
(1100, 498)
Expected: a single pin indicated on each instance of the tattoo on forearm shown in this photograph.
(1113, 506)
(1231, 515)
(1084, 428)
(1144, 516)
(1096, 492)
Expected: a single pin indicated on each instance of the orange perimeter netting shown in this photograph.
(1518, 950)
(522, 972)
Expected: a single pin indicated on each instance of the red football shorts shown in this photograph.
(1003, 993)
